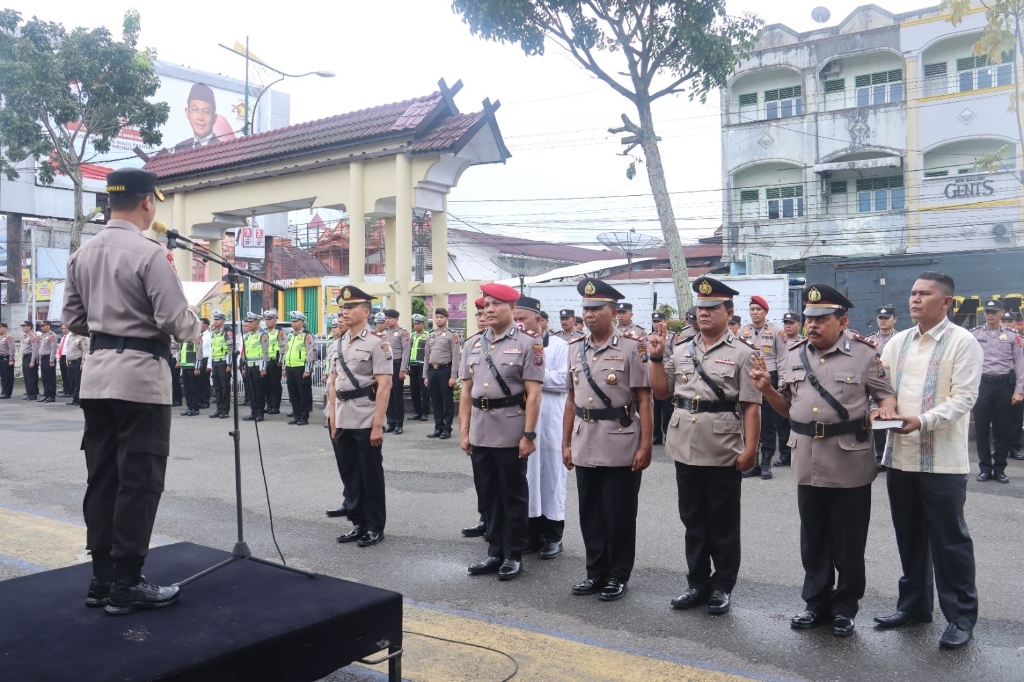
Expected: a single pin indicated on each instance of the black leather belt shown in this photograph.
(591, 414)
(370, 390)
(444, 365)
(158, 349)
(695, 405)
(998, 378)
(494, 403)
(819, 430)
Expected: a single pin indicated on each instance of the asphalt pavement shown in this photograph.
(535, 620)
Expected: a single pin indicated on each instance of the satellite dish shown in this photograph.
(821, 14)
(525, 265)
(632, 244)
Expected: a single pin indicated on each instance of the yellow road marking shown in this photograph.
(52, 544)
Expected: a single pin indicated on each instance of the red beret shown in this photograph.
(480, 302)
(759, 301)
(502, 292)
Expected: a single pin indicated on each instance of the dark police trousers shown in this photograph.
(361, 466)
(417, 391)
(75, 378)
(257, 390)
(441, 397)
(993, 414)
(49, 376)
(191, 385)
(608, 498)
(65, 378)
(126, 446)
(274, 391)
(31, 375)
(933, 540)
(662, 415)
(396, 406)
(222, 386)
(6, 376)
(833, 535)
(339, 458)
(772, 427)
(709, 507)
(500, 478)
(175, 380)
(300, 392)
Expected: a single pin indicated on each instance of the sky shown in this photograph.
(566, 180)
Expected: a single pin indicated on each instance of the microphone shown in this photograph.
(172, 235)
(159, 227)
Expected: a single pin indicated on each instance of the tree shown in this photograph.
(67, 95)
(1000, 38)
(643, 50)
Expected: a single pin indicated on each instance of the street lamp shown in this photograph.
(247, 124)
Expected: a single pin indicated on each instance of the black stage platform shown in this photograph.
(247, 621)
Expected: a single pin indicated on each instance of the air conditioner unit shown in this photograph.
(831, 69)
(1001, 231)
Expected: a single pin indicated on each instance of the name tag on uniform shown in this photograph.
(613, 357)
(512, 351)
(723, 361)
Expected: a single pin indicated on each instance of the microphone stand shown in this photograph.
(241, 548)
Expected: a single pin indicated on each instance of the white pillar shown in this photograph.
(357, 223)
(182, 258)
(403, 235)
(439, 250)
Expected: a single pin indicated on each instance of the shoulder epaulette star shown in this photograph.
(379, 335)
(577, 340)
(531, 333)
(798, 344)
(744, 341)
(865, 340)
(632, 334)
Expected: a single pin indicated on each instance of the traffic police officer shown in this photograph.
(442, 354)
(30, 360)
(606, 435)
(190, 359)
(400, 342)
(277, 342)
(624, 316)
(662, 408)
(359, 403)
(75, 349)
(830, 380)
(122, 292)
(48, 362)
(255, 358)
(1002, 387)
(712, 437)
(885, 318)
(498, 415)
(568, 332)
(6, 363)
(298, 365)
(220, 357)
(765, 337)
(417, 351)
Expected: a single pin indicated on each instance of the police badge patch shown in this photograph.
(641, 348)
(387, 351)
(538, 353)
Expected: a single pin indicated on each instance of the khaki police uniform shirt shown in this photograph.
(120, 283)
(76, 347)
(30, 346)
(852, 372)
(367, 355)
(1003, 353)
(878, 338)
(519, 357)
(618, 367)
(465, 353)
(768, 341)
(48, 345)
(632, 329)
(400, 342)
(712, 439)
(7, 346)
(442, 348)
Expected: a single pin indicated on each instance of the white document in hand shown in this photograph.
(888, 424)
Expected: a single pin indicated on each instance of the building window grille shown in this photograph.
(981, 73)
(748, 107)
(936, 173)
(879, 88)
(835, 94)
(881, 194)
(785, 202)
(783, 103)
(750, 200)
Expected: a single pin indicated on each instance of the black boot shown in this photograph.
(752, 472)
(102, 577)
(131, 590)
(766, 467)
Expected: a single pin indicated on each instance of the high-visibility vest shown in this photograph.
(296, 355)
(253, 347)
(219, 345)
(419, 341)
(187, 356)
(275, 344)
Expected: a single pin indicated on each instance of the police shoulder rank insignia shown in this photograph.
(538, 353)
(865, 340)
(798, 344)
(746, 332)
(531, 333)
(632, 334)
(641, 348)
(576, 340)
(744, 341)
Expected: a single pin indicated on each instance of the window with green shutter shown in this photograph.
(835, 85)
(748, 107)
(291, 302)
(978, 72)
(749, 98)
(879, 88)
(784, 202)
(838, 187)
(881, 194)
(783, 102)
(936, 173)
(749, 194)
(311, 308)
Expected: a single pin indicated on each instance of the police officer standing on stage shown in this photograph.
(624, 316)
(567, 320)
(826, 392)
(190, 360)
(358, 405)
(277, 342)
(442, 358)
(75, 349)
(299, 357)
(30, 360)
(712, 437)
(607, 439)
(122, 292)
(400, 342)
(6, 363)
(255, 358)
(417, 352)
(1002, 387)
(765, 337)
(885, 318)
(48, 362)
(221, 363)
(662, 408)
(498, 415)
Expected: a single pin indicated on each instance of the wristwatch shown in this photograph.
(530, 435)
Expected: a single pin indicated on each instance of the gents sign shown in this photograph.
(969, 187)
